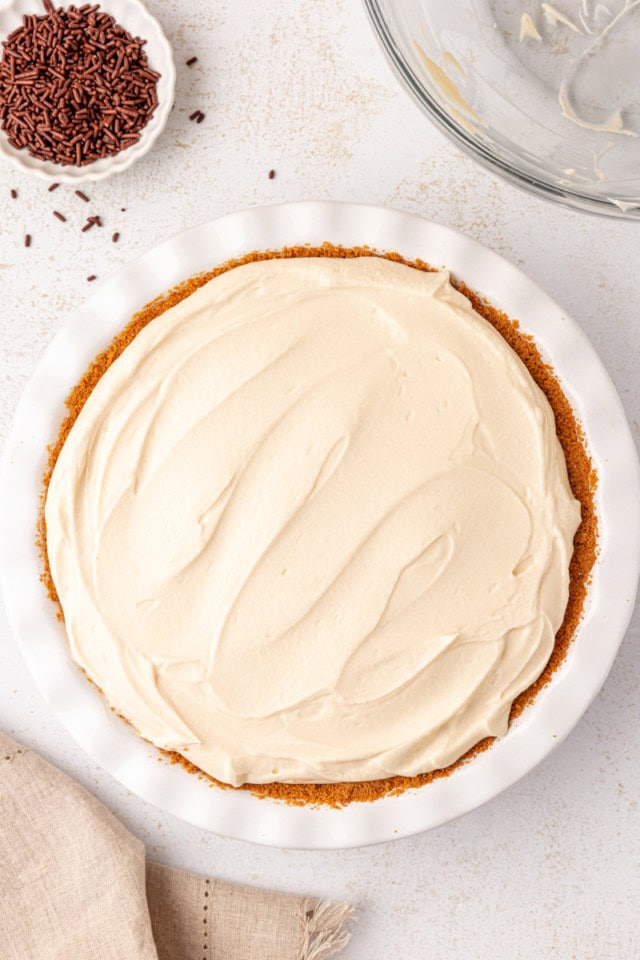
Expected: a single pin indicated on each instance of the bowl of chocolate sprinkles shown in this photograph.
(85, 90)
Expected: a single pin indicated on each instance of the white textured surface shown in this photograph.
(551, 867)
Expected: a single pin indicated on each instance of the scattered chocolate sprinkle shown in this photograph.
(91, 277)
(194, 115)
(60, 216)
(115, 237)
(272, 174)
(75, 86)
(82, 196)
(14, 194)
(54, 186)
(200, 117)
(94, 221)
(191, 61)
(27, 239)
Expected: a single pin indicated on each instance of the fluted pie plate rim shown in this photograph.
(541, 727)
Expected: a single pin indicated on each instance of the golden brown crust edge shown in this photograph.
(582, 477)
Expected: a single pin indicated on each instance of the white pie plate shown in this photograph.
(541, 727)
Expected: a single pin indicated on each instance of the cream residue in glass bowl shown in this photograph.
(547, 94)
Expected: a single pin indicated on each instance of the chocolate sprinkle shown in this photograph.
(272, 174)
(14, 194)
(27, 239)
(115, 237)
(60, 216)
(54, 186)
(191, 61)
(75, 86)
(82, 196)
(91, 277)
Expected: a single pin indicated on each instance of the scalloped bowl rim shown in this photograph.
(148, 28)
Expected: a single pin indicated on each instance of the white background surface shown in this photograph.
(552, 867)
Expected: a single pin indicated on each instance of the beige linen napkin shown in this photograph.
(74, 886)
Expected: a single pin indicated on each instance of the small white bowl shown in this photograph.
(135, 18)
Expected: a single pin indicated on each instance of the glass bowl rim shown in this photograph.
(538, 186)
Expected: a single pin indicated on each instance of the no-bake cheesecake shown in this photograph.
(312, 524)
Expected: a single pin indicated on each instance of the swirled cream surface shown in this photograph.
(314, 525)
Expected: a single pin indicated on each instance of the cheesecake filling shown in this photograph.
(314, 525)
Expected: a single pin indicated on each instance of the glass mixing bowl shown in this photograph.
(545, 94)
